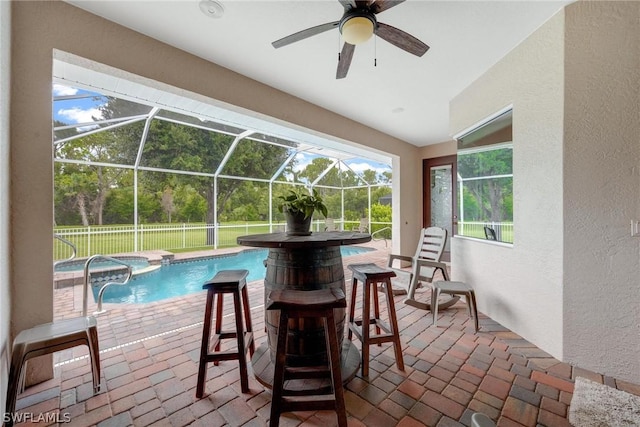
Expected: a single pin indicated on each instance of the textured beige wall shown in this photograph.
(39, 28)
(407, 203)
(447, 148)
(570, 282)
(5, 307)
(601, 188)
(520, 286)
(31, 182)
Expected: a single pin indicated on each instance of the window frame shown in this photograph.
(491, 134)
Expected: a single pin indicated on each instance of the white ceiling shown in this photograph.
(404, 96)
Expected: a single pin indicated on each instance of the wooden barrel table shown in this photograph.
(303, 263)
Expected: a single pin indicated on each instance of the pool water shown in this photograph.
(187, 277)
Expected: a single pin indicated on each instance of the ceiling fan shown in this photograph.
(357, 25)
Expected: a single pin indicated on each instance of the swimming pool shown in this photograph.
(186, 277)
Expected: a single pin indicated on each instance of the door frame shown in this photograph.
(427, 164)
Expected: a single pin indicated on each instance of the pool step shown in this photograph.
(145, 270)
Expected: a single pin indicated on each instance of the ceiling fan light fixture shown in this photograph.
(357, 29)
(357, 24)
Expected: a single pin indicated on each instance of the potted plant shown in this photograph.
(298, 208)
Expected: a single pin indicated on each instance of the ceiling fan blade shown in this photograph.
(345, 60)
(301, 35)
(399, 38)
(382, 5)
(347, 4)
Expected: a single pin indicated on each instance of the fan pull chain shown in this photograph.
(375, 50)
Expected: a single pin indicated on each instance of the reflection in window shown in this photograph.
(485, 181)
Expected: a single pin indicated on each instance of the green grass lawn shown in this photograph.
(109, 240)
(113, 239)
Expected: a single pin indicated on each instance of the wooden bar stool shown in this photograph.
(226, 282)
(294, 304)
(454, 288)
(371, 275)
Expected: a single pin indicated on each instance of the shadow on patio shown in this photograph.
(150, 361)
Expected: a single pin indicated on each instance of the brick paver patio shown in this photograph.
(150, 352)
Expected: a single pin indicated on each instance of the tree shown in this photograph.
(192, 207)
(95, 193)
(471, 210)
(180, 147)
(316, 168)
(490, 193)
(251, 159)
(381, 213)
(167, 203)
(370, 176)
(89, 185)
(250, 202)
(75, 184)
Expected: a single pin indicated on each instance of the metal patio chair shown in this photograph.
(363, 227)
(330, 225)
(490, 233)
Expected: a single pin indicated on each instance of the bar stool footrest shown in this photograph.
(306, 403)
(388, 336)
(307, 372)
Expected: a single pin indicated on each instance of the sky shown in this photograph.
(75, 110)
(359, 165)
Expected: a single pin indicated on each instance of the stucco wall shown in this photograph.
(442, 149)
(601, 188)
(5, 313)
(570, 283)
(520, 286)
(40, 27)
(407, 206)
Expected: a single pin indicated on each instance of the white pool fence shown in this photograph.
(108, 240)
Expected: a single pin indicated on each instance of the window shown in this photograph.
(485, 181)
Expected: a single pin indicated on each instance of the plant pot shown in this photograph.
(297, 224)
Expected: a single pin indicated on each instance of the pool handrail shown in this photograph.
(85, 290)
(380, 238)
(74, 249)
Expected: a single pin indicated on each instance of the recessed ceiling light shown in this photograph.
(212, 8)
